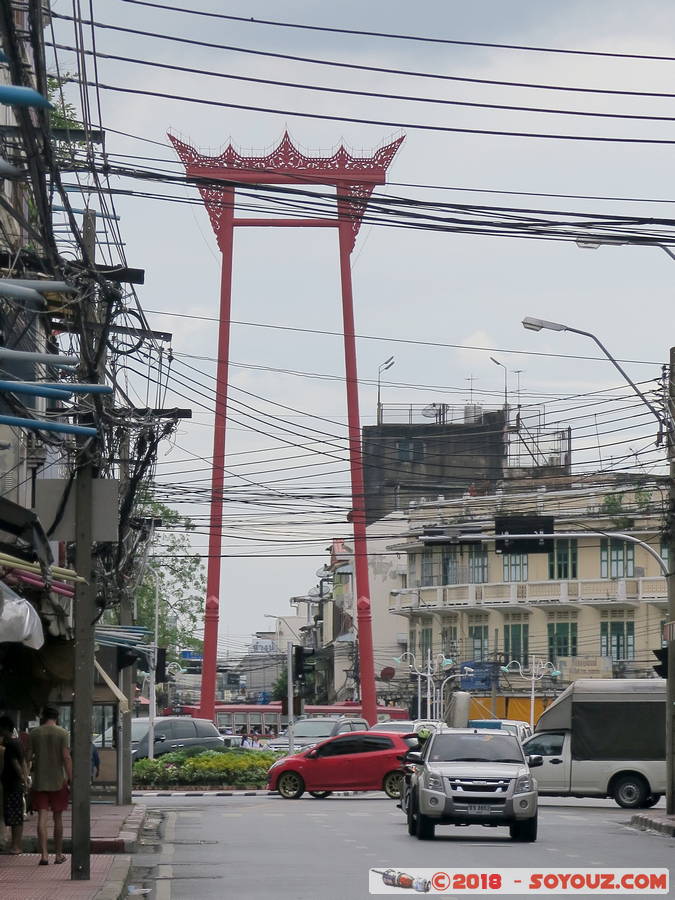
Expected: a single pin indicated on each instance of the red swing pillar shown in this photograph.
(354, 179)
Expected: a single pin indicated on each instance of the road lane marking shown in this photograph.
(170, 833)
(231, 815)
(163, 886)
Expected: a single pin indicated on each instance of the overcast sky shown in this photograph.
(463, 290)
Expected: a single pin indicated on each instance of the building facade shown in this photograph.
(593, 604)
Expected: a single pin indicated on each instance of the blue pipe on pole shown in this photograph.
(84, 388)
(42, 286)
(39, 425)
(17, 95)
(35, 390)
(50, 359)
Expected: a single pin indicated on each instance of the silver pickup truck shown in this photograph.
(472, 777)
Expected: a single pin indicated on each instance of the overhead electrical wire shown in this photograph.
(361, 67)
(251, 20)
(384, 123)
(350, 92)
(418, 185)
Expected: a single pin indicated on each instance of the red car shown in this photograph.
(358, 761)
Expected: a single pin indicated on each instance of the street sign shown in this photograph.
(669, 631)
(481, 678)
(191, 654)
(530, 525)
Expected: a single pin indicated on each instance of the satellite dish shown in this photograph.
(431, 411)
(314, 592)
(323, 572)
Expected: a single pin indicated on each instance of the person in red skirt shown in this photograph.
(52, 771)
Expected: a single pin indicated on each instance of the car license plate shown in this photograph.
(481, 808)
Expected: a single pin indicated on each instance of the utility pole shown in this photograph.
(290, 695)
(670, 580)
(84, 615)
(495, 677)
(126, 618)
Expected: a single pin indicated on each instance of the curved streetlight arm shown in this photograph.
(668, 423)
(285, 621)
(485, 538)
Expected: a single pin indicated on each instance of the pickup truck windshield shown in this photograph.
(475, 748)
(313, 729)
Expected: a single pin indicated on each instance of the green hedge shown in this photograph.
(235, 767)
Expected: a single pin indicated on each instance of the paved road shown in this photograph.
(265, 847)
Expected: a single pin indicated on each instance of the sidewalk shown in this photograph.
(114, 829)
(21, 878)
(654, 821)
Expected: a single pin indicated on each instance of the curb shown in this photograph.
(125, 842)
(116, 886)
(207, 793)
(661, 824)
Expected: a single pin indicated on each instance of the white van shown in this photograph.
(516, 727)
(604, 738)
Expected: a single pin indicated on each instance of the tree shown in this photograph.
(280, 687)
(63, 115)
(180, 581)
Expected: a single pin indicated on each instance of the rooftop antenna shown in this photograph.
(518, 373)
(471, 380)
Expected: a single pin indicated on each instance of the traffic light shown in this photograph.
(662, 656)
(129, 656)
(160, 666)
(300, 658)
(298, 706)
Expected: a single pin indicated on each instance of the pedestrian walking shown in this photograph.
(95, 762)
(14, 777)
(52, 773)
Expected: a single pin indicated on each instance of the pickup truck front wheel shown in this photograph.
(525, 830)
(425, 827)
(412, 816)
(630, 791)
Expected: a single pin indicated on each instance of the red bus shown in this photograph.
(266, 718)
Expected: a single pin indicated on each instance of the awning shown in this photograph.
(19, 622)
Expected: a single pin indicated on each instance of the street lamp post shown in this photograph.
(537, 670)
(152, 687)
(667, 424)
(387, 364)
(428, 673)
(440, 711)
(506, 382)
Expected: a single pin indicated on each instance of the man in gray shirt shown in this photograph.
(52, 772)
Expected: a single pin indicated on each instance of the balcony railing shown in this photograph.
(631, 591)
